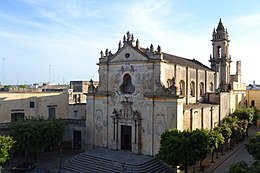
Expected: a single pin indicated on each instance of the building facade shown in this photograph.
(143, 92)
(48, 102)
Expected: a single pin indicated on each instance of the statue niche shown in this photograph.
(127, 87)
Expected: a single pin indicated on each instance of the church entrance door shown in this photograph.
(77, 140)
(126, 138)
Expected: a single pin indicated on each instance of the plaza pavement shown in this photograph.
(50, 160)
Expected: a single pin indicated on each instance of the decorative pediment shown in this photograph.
(127, 68)
(128, 53)
(126, 111)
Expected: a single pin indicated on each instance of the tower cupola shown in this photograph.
(220, 27)
(220, 61)
(220, 33)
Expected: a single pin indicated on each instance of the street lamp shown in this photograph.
(60, 159)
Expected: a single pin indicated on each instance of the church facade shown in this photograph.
(143, 92)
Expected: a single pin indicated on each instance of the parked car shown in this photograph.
(40, 170)
(22, 168)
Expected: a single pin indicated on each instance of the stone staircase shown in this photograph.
(91, 163)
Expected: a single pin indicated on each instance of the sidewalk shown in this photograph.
(210, 167)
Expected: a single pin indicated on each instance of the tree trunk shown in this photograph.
(186, 169)
(212, 157)
(217, 154)
(201, 165)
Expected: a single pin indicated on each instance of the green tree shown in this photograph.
(232, 122)
(226, 132)
(183, 148)
(35, 134)
(243, 124)
(215, 139)
(255, 167)
(239, 167)
(253, 146)
(256, 117)
(242, 167)
(199, 142)
(6, 144)
(247, 113)
(171, 139)
(187, 155)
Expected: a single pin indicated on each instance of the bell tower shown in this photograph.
(220, 62)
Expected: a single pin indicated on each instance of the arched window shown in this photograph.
(219, 51)
(171, 82)
(192, 89)
(211, 86)
(127, 87)
(236, 102)
(201, 89)
(182, 88)
(252, 103)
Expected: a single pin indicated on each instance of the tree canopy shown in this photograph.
(248, 113)
(243, 167)
(6, 144)
(35, 134)
(183, 148)
(170, 141)
(225, 130)
(253, 146)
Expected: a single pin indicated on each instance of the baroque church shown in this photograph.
(142, 92)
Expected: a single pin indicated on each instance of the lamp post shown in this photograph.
(60, 159)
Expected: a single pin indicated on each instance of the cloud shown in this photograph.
(160, 23)
(70, 34)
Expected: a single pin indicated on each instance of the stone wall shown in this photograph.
(157, 114)
(20, 102)
(200, 116)
(253, 98)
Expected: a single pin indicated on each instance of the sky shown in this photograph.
(60, 41)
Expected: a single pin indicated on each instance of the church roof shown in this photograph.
(182, 61)
(185, 62)
(129, 39)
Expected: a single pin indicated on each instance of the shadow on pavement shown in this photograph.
(50, 160)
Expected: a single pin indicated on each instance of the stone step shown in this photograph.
(153, 166)
(109, 165)
(97, 161)
(93, 163)
(82, 168)
(85, 162)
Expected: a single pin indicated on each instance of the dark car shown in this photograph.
(40, 170)
(22, 168)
